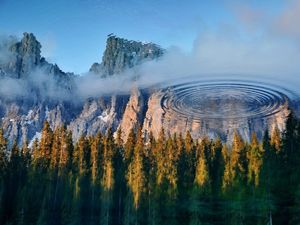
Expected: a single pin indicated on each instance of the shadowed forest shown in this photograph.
(168, 180)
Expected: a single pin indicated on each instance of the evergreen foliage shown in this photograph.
(168, 180)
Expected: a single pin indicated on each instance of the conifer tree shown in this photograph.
(96, 150)
(217, 166)
(227, 176)
(55, 149)
(202, 179)
(173, 179)
(135, 177)
(81, 163)
(135, 173)
(150, 175)
(288, 170)
(201, 189)
(238, 159)
(255, 158)
(12, 184)
(276, 139)
(3, 155)
(129, 146)
(36, 154)
(159, 156)
(46, 145)
(119, 140)
(188, 141)
(119, 174)
(26, 155)
(238, 184)
(96, 163)
(268, 176)
(107, 179)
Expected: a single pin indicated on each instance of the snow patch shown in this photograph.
(104, 117)
(38, 136)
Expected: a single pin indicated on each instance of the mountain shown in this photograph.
(48, 93)
(34, 90)
(22, 57)
(121, 54)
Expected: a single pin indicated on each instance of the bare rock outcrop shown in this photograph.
(121, 54)
(134, 113)
(156, 118)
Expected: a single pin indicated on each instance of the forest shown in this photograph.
(169, 180)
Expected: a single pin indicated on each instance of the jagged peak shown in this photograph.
(31, 46)
(121, 54)
(25, 57)
(112, 37)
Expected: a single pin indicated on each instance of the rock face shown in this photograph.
(25, 56)
(121, 54)
(134, 114)
(23, 117)
(97, 115)
(156, 118)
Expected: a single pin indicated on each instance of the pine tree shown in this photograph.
(276, 139)
(56, 147)
(255, 158)
(159, 156)
(26, 155)
(288, 171)
(120, 183)
(187, 161)
(238, 184)
(84, 179)
(150, 175)
(3, 155)
(199, 207)
(202, 177)
(107, 179)
(96, 150)
(268, 174)
(36, 153)
(96, 162)
(217, 166)
(129, 146)
(66, 152)
(227, 177)
(42, 181)
(46, 146)
(13, 184)
(188, 141)
(238, 159)
(135, 174)
(119, 140)
(135, 177)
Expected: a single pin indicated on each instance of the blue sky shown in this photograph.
(73, 32)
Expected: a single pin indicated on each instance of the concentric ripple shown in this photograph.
(200, 100)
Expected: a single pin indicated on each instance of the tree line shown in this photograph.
(169, 180)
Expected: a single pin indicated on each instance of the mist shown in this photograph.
(258, 46)
(36, 86)
(262, 47)
(5, 54)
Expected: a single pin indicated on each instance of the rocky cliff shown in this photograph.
(121, 54)
(157, 117)
(22, 116)
(51, 93)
